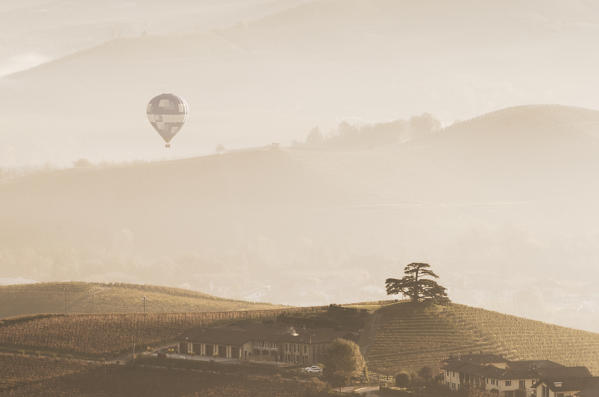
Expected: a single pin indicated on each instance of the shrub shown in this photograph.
(343, 361)
(426, 373)
(402, 380)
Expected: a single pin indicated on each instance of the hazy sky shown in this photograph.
(269, 71)
(499, 204)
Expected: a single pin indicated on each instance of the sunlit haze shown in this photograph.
(326, 144)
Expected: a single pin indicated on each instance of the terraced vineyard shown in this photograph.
(80, 297)
(101, 335)
(408, 338)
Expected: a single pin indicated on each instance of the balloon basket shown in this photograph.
(167, 145)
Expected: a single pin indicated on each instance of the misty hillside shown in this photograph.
(17, 300)
(302, 226)
(407, 338)
(39, 31)
(272, 78)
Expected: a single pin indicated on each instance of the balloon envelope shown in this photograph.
(167, 114)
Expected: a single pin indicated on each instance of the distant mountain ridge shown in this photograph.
(279, 75)
(39, 31)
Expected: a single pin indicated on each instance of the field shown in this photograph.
(79, 297)
(107, 335)
(406, 338)
(396, 337)
(121, 381)
(18, 370)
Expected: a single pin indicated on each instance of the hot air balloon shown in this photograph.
(167, 114)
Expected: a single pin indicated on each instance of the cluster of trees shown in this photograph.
(344, 362)
(347, 135)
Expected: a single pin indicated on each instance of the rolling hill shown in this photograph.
(406, 339)
(99, 336)
(18, 300)
(397, 337)
(37, 31)
(312, 226)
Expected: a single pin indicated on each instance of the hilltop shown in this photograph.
(17, 300)
(405, 338)
(395, 337)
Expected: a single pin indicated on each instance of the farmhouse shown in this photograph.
(495, 374)
(258, 342)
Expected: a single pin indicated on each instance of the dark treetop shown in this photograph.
(418, 285)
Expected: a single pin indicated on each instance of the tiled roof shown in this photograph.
(524, 369)
(537, 364)
(240, 334)
(490, 371)
(591, 389)
(482, 358)
(564, 373)
(586, 384)
(218, 335)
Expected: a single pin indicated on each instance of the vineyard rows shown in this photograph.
(408, 339)
(79, 297)
(110, 334)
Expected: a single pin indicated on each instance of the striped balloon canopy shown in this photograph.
(167, 114)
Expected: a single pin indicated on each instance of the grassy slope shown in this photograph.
(18, 370)
(123, 381)
(407, 338)
(82, 297)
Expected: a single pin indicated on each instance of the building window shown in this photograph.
(508, 382)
